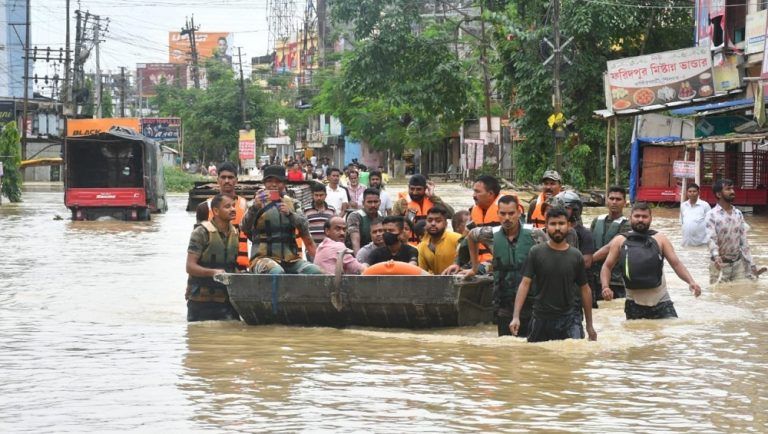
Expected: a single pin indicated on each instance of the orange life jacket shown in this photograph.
(537, 217)
(490, 217)
(419, 213)
(241, 206)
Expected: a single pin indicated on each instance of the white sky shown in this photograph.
(138, 29)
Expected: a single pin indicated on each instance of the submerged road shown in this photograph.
(93, 338)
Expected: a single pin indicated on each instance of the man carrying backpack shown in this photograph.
(640, 255)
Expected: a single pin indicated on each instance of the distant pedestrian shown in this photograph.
(729, 252)
(640, 255)
(692, 214)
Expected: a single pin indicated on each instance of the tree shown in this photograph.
(601, 32)
(107, 107)
(211, 116)
(10, 155)
(398, 88)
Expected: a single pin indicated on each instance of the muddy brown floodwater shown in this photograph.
(93, 337)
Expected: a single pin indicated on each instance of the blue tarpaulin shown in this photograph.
(692, 110)
(634, 160)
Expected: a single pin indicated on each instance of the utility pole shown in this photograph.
(96, 29)
(27, 38)
(242, 87)
(190, 30)
(557, 101)
(486, 78)
(67, 74)
(122, 91)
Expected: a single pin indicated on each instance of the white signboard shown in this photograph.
(756, 31)
(684, 169)
(660, 78)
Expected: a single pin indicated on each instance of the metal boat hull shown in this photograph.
(374, 301)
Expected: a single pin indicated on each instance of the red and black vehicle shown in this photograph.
(116, 173)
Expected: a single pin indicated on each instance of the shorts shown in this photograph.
(211, 311)
(665, 309)
(566, 327)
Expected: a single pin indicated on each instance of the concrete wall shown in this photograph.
(43, 173)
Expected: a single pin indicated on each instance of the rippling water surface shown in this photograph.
(93, 337)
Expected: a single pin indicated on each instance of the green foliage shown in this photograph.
(179, 181)
(106, 103)
(211, 117)
(601, 32)
(398, 88)
(10, 155)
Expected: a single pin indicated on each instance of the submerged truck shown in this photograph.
(115, 173)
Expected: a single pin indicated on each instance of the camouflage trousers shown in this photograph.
(270, 266)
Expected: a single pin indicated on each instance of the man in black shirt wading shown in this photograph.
(558, 269)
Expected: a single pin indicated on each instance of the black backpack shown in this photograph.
(641, 261)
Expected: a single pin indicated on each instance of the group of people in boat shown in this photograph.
(549, 271)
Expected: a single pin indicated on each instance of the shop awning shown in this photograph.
(716, 107)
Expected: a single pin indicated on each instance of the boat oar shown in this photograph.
(337, 299)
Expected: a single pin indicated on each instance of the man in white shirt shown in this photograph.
(338, 196)
(692, 214)
(376, 181)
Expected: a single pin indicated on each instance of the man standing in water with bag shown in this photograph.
(640, 254)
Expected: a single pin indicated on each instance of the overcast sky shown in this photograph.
(138, 29)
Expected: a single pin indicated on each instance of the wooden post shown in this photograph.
(617, 169)
(607, 156)
(685, 178)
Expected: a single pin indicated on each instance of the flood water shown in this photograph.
(93, 337)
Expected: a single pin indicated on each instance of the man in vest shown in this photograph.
(212, 250)
(485, 193)
(437, 250)
(551, 184)
(420, 198)
(359, 222)
(640, 255)
(227, 180)
(510, 251)
(271, 224)
(604, 228)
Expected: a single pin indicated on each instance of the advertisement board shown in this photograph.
(660, 78)
(207, 44)
(86, 127)
(247, 148)
(683, 169)
(161, 129)
(152, 74)
(7, 112)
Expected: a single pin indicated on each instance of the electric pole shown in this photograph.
(122, 91)
(557, 101)
(96, 28)
(486, 81)
(27, 37)
(190, 30)
(242, 87)
(67, 74)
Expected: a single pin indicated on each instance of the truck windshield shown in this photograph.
(104, 164)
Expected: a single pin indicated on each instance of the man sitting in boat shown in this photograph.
(437, 250)
(397, 231)
(419, 199)
(271, 224)
(377, 240)
(332, 249)
(212, 250)
(359, 221)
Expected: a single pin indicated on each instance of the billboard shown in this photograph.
(152, 74)
(660, 78)
(85, 127)
(7, 112)
(208, 45)
(161, 129)
(247, 148)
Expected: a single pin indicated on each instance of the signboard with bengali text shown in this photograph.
(247, 148)
(660, 78)
(152, 74)
(684, 169)
(161, 129)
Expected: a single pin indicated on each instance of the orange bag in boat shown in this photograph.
(393, 268)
